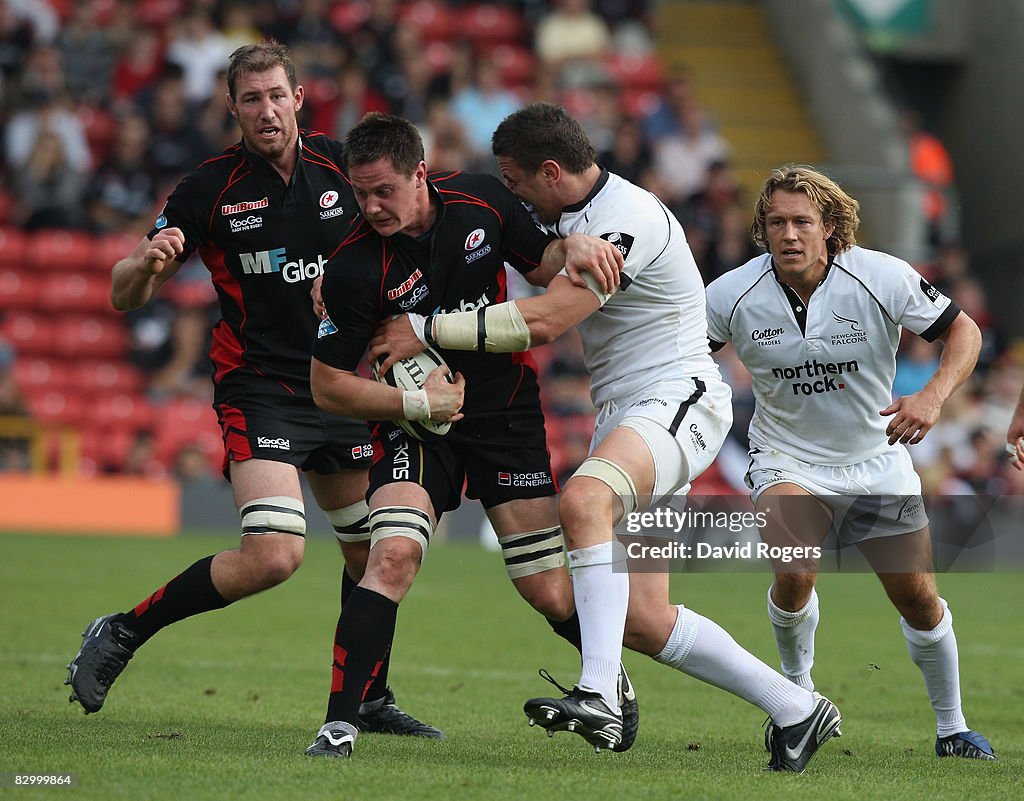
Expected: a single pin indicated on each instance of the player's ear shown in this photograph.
(300, 95)
(231, 105)
(550, 170)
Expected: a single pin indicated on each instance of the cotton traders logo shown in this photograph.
(624, 242)
(767, 336)
(851, 337)
(932, 293)
(245, 205)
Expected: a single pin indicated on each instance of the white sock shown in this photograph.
(701, 648)
(935, 653)
(600, 584)
(794, 638)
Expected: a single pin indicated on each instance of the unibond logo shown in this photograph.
(406, 285)
(823, 371)
(276, 261)
(245, 205)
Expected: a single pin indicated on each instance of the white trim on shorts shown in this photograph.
(683, 423)
(890, 476)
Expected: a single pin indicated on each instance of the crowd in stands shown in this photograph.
(106, 104)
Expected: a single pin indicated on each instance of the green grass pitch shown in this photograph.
(222, 706)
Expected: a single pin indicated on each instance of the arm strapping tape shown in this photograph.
(500, 328)
(416, 405)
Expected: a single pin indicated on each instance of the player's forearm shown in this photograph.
(349, 395)
(131, 285)
(962, 344)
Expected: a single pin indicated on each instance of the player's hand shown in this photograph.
(393, 340)
(1015, 439)
(318, 299)
(445, 399)
(599, 257)
(912, 417)
(163, 248)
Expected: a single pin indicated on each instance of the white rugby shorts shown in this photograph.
(683, 423)
(885, 489)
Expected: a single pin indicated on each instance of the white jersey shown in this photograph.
(654, 327)
(822, 374)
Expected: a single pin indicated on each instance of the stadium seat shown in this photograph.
(57, 407)
(54, 249)
(19, 289)
(438, 56)
(12, 247)
(99, 126)
(434, 20)
(75, 292)
(517, 64)
(184, 422)
(634, 71)
(110, 249)
(30, 334)
(349, 16)
(158, 13)
(124, 409)
(36, 374)
(91, 337)
(486, 24)
(108, 376)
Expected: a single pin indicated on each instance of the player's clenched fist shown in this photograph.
(165, 247)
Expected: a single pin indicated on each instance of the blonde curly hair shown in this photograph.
(836, 207)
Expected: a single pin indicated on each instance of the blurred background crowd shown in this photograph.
(106, 104)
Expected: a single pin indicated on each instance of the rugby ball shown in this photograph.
(412, 373)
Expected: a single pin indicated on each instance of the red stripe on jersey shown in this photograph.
(236, 176)
(234, 429)
(386, 259)
(227, 351)
(525, 362)
(469, 200)
(317, 158)
(439, 177)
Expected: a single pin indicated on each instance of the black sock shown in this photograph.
(361, 644)
(380, 683)
(189, 593)
(568, 630)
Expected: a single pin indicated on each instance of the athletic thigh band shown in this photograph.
(273, 515)
(614, 476)
(532, 552)
(350, 522)
(401, 521)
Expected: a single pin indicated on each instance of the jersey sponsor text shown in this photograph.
(276, 261)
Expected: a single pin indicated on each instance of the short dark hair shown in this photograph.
(260, 57)
(543, 131)
(377, 136)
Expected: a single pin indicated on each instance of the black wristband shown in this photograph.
(481, 329)
(428, 330)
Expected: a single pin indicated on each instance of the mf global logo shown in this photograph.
(276, 261)
(819, 376)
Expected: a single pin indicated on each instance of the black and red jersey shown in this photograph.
(459, 265)
(264, 242)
